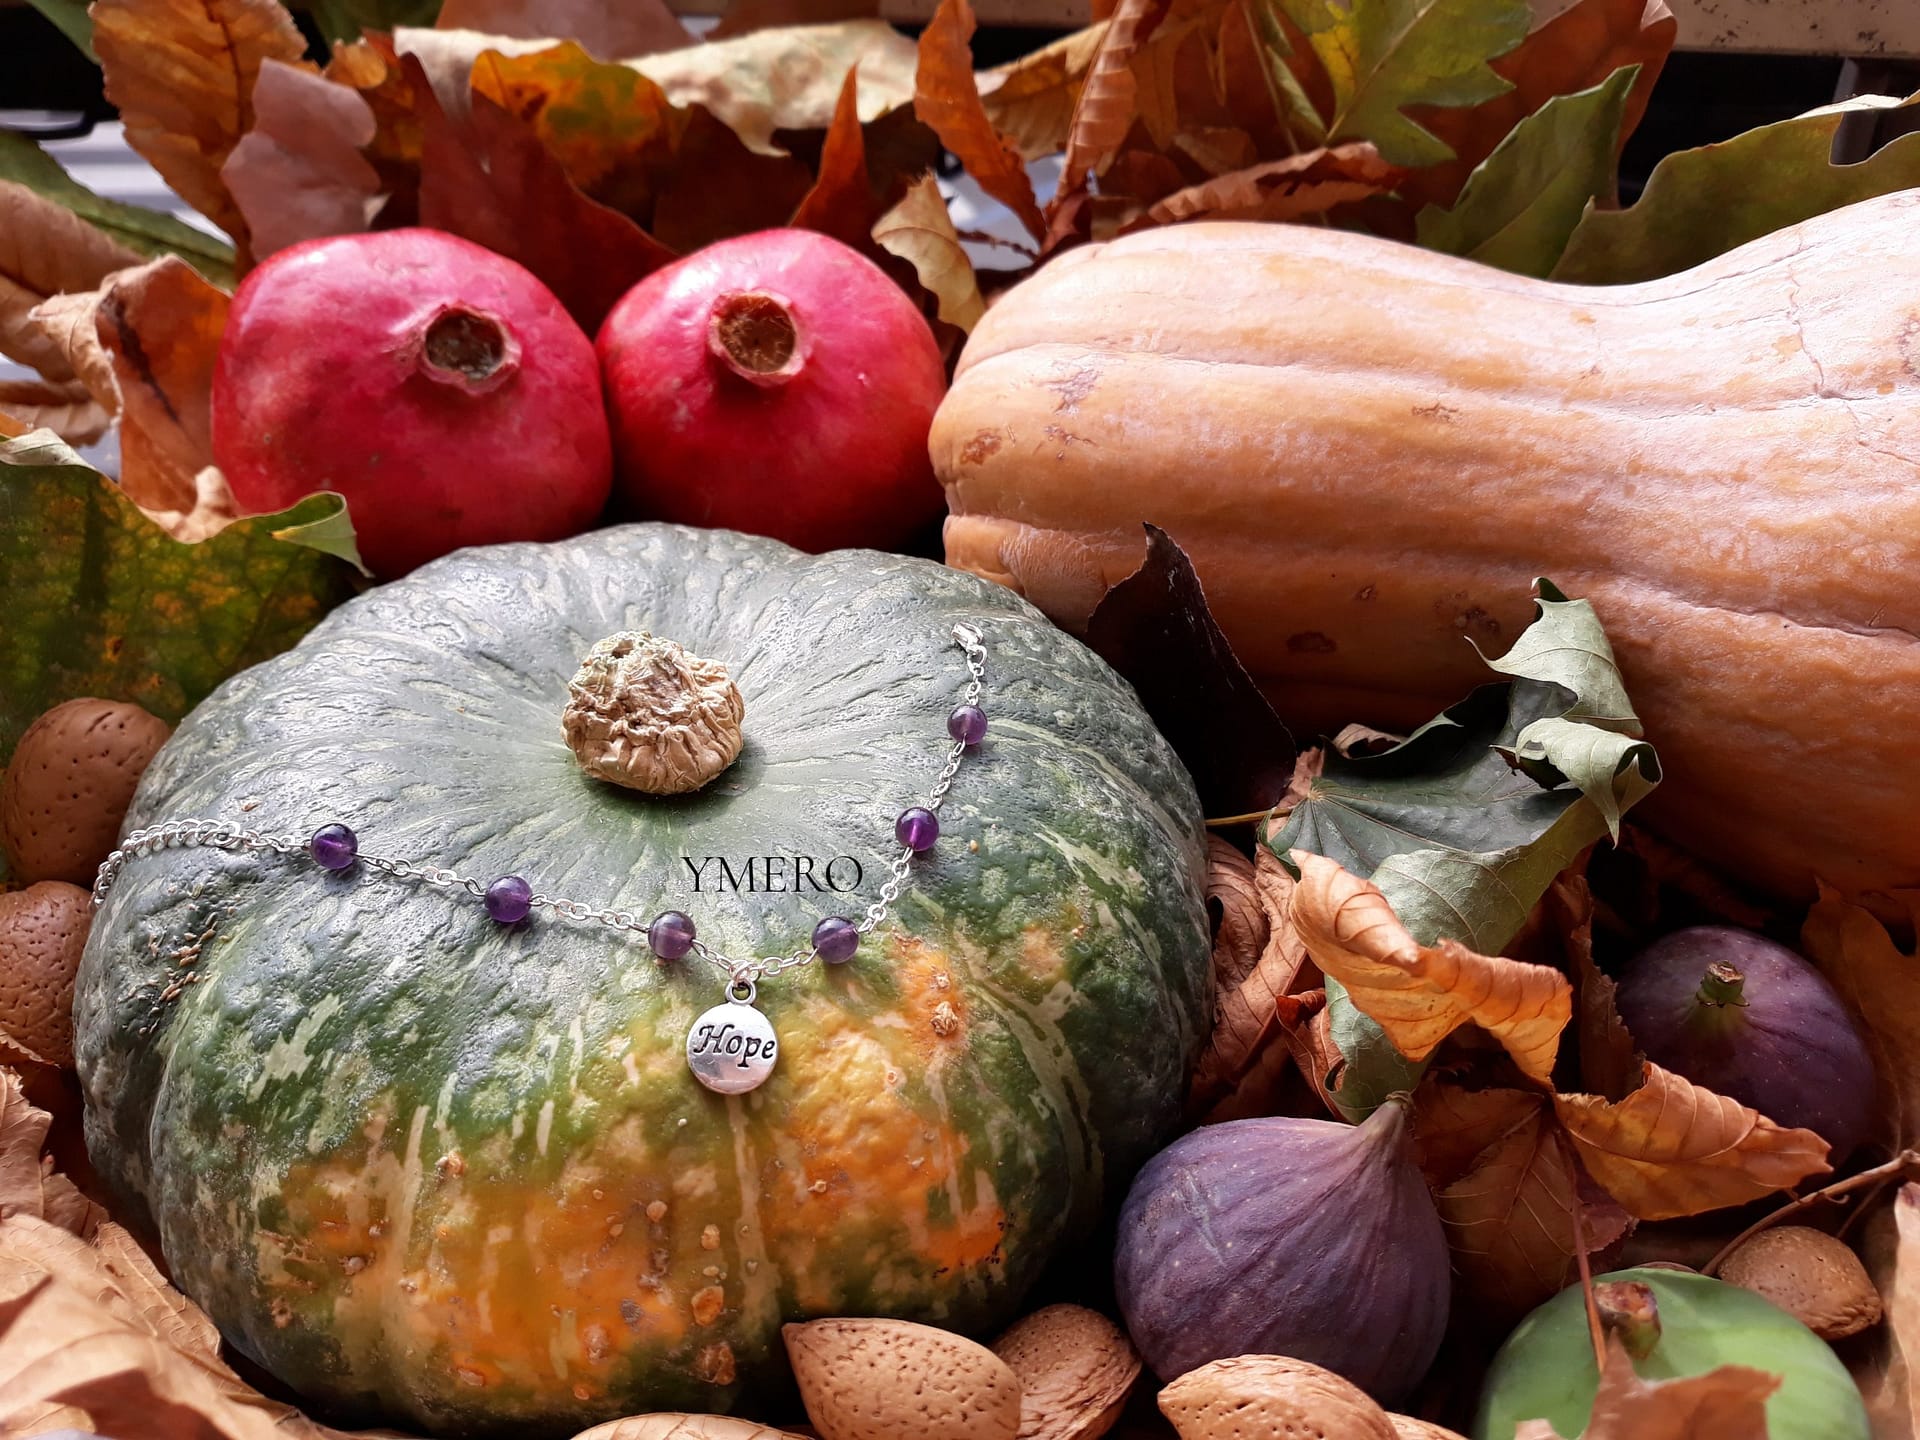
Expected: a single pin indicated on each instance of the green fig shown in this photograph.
(1679, 1324)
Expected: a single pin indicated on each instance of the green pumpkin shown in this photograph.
(427, 1167)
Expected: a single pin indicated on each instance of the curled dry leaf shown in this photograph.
(45, 249)
(1672, 1148)
(1887, 1369)
(160, 326)
(1307, 1027)
(1075, 1369)
(868, 1379)
(299, 172)
(1609, 1060)
(1727, 1402)
(64, 407)
(920, 231)
(683, 1427)
(1103, 113)
(947, 99)
(182, 73)
(612, 32)
(1420, 994)
(69, 324)
(840, 203)
(1310, 183)
(1880, 982)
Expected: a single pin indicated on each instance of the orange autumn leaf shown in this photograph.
(182, 73)
(1310, 183)
(1420, 994)
(840, 203)
(946, 97)
(1453, 1126)
(920, 231)
(46, 249)
(1730, 1401)
(1104, 111)
(1672, 1148)
(1880, 983)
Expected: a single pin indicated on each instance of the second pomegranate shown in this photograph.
(778, 383)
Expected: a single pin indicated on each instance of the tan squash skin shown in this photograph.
(1370, 451)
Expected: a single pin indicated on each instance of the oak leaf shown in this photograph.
(299, 173)
(1420, 994)
(1310, 183)
(919, 229)
(182, 73)
(1880, 983)
(45, 249)
(620, 31)
(840, 203)
(1575, 50)
(1729, 1401)
(160, 326)
(947, 98)
(1672, 1148)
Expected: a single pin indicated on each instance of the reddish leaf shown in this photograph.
(618, 31)
(1307, 1027)
(719, 188)
(298, 173)
(947, 97)
(1453, 1126)
(840, 203)
(1104, 112)
(1576, 50)
(1307, 184)
(493, 182)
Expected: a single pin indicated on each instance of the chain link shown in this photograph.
(226, 835)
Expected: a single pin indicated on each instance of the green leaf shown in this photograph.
(101, 601)
(70, 18)
(1461, 839)
(1383, 55)
(1523, 201)
(331, 534)
(147, 232)
(1289, 98)
(1702, 203)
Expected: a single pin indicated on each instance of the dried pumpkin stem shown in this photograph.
(1905, 1161)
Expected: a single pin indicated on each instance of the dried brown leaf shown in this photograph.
(683, 1427)
(64, 1205)
(182, 73)
(162, 1310)
(920, 231)
(1886, 1365)
(719, 188)
(298, 173)
(1218, 150)
(69, 324)
(947, 98)
(1576, 50)
(840, 203)
(1103, 113)
(23, 1134)
(1610, 1062)
(160, 325)
(1310, 183)
(1420, 994)
(64, 407)
(1510, 1220)
(1453, 1126)
(1727, 1402)
(1672, 1148)
(1031, 101)
(1306, 1026)
(490, 180)
(46, 249)
(1880, 983)
(618, 31)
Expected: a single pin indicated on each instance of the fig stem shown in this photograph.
(1901, 1163)
(1723, 984)
(1628, 1309)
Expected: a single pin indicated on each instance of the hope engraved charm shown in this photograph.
(731, 1048)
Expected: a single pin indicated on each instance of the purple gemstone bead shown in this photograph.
(836, 938)
(917, 828)
(670, 935)
(509, 899)
(968, 724)
(333, 847)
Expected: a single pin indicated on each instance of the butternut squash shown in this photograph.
(1370, 450)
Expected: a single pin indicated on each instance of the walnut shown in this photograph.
(647, 714)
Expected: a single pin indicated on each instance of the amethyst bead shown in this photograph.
(917, 828)
(334, 847)
(835, 939)
(509, 899)
(670, 935)
(968, 724)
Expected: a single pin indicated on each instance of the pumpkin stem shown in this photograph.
(646, 713)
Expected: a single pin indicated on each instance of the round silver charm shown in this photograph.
(732, 1048)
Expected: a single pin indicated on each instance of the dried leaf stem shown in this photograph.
(1901, 1164)
(1580, 1257)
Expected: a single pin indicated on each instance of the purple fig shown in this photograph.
(1741, 1015)
(1291, 1237)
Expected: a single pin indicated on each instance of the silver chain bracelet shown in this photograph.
(730, 1048)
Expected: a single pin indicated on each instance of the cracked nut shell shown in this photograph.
(648, 714)
(1812, 1276)
(68, 786)
(1075, 1369)
(1271, 1397)
(868, 1379)
(43, 929)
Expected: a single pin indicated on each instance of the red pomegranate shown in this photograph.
(778, 383)
(438, 386)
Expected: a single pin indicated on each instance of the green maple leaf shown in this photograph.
(1383, 55)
